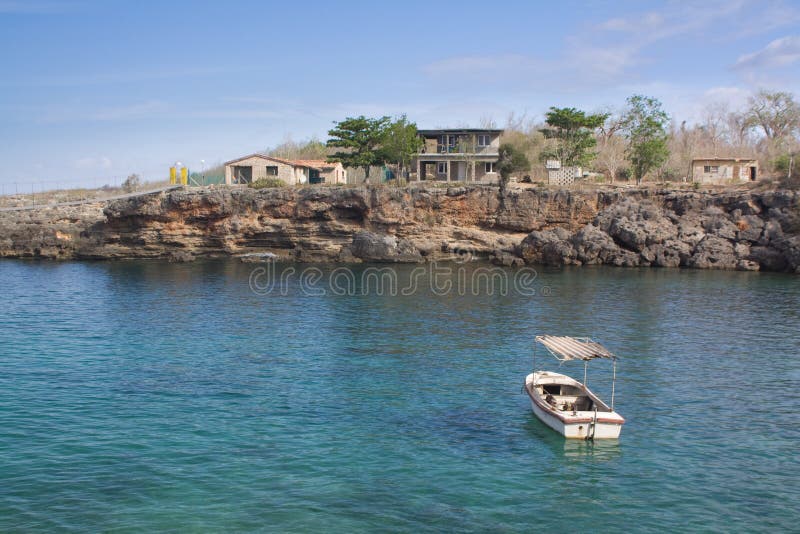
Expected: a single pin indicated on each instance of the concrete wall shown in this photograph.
(337, 175)
(259, 166)
(563, 176)
(454, 165)
(726, 171)
(430, 145)
(482, 176)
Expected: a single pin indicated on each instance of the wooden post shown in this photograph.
(613, 383)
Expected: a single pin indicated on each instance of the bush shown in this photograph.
(264, 183)
(672, 175)
(781, 164)
(132, 183)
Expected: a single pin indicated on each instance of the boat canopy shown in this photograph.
(571, 348)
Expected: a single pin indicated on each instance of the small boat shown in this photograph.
(567, 405)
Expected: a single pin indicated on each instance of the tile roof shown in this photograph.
(316, 164)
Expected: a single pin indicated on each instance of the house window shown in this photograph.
(483, 140)
(442, 167)
(447, 143)
(711, 168)
(489, 166)
(272, 170)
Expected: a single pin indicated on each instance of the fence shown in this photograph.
(20, 195)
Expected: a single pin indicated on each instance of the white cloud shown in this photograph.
(591, 57)
(92, 163)
(580, 65)
(646, 23)
(675, 20)
(778, 53)
(735, 97)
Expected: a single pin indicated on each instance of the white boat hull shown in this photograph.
(571, 423)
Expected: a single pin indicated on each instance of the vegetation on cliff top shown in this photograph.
(610, 142)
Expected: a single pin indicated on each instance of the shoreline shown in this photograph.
(631, 227)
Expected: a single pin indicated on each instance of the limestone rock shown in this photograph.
(769, 259)
(713, 253)
(549, 247)
(369, 246)
(631, 227)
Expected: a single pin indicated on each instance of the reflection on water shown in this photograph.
(573, 449)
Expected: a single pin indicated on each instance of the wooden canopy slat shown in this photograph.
(570, 348)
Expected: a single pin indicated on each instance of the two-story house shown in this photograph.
(460, 154)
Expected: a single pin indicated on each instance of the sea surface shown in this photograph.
(148, 396)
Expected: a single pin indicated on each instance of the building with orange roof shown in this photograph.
(248, 169)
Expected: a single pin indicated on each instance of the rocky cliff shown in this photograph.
(635, 227)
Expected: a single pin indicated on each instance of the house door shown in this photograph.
(461, 169)
(752, 174)
(242, 174)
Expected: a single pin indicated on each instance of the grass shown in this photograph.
(58, 196)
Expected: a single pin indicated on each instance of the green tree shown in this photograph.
(362, 138)
(400, 143)
(510, 161)
(645, 127)
(573, 131)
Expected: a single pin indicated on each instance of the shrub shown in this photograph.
(672, 175)
(132, 183)
(263, 183)
(781, 164)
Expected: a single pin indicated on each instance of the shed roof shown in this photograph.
(316, 164)
(732, 160)
(440, 131)
(258, 155)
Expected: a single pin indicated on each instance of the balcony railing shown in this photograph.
(459, 149)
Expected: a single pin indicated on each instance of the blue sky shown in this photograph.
(93, 91)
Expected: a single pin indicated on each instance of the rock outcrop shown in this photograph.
(633, 227)
(744, 231)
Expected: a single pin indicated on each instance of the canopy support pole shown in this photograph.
(534, 364)
(613, 382)
(585, 367)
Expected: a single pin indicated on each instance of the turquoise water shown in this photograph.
(152, 396)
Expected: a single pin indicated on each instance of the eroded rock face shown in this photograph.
(369, 246)
(745, 231)
(634, 227)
